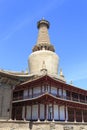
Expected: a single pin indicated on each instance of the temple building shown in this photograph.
(41, 94)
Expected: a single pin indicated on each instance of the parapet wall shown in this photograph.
(25, 125)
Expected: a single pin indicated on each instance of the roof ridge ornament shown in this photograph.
(71, 82)
(61, 75)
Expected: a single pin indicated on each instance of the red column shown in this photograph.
(82, 116)
(65, 113)
(57, 91)
(15, 114)
(59, 111)
(52, 111)
(41, 88)
(50, 88)
(79, 97)
(32, 92)
(25, 112)
(38, 112)
(28, 92)
(74, 115)
(85, 99)
(71, 95)
(45, 111)
(31, 111)
(62, 93)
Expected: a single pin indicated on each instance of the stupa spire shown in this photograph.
(43, 36)
(43, 40)
(43, 59)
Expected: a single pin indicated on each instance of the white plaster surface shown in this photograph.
(36, 59)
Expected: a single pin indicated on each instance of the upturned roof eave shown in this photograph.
(45, 76)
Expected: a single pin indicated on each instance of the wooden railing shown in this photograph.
(54, 94)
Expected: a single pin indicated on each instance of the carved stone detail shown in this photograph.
(82, 128)
(39, 128)
(68, 127)
(52, 126)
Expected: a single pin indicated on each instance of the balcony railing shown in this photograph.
(54, 94)
(27, 96)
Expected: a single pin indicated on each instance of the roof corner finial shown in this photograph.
(61, 73)
(71, 82)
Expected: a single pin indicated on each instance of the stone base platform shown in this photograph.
(43, 125)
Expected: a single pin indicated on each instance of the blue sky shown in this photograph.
(68, 33)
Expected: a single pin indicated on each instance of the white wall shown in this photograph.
(60, 92)
(66, 113)
(47, 111)
(62, 113)
(36, 61)
(25, 94)
(5, 101)
(43, 88)
(49, 89)
(36, 90)
(56, 112)
(41, 111)
(30, 92)
(23, 112)
(34, 112)
(28, 113)
(64, 93)
(54, 90)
